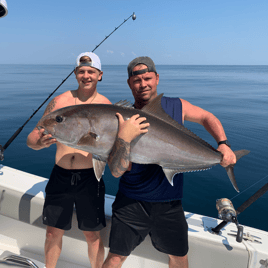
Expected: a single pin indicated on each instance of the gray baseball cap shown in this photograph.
(141, 60)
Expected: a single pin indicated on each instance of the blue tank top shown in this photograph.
(148, 182)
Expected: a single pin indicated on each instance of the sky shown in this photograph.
(230, 32)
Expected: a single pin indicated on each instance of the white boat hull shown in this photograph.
(23, 233)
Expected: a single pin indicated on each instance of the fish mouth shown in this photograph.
(46, 132)
(49, 123)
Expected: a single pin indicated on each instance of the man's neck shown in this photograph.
(84, 96)
(140, 105)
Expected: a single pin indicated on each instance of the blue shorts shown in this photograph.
(67, 188)
(133, 220)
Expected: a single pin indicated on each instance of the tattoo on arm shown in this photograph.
(50, 107)
(119, 157)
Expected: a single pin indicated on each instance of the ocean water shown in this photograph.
(237, 95)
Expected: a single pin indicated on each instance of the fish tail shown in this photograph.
(230, 168)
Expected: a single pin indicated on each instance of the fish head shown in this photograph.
(85, 127)
(68, 125)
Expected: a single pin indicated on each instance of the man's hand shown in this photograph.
(45, 139)
(228, 156)
(131, 128)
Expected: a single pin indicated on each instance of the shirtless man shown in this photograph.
(73, 173)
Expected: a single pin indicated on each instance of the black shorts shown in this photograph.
(67, 188)
(132, 220)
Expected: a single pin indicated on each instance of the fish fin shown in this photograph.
(124, 103)
(241, 153)
(155, 108)
(230, 173)
(170, 173)
(230, 168)
(89, 138)
(98, 166)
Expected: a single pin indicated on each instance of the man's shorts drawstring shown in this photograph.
(75, 178)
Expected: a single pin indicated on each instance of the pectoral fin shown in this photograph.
(88, 139)
(98, 166)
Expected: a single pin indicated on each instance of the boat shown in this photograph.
(22, 234)
(212, 242)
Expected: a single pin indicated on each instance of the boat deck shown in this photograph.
(22, 232)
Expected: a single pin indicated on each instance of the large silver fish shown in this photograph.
(93, 128)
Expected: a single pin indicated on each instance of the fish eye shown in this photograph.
(59, 118)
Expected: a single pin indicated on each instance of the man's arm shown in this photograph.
(37, 140)
(128, 130)
(213, 125)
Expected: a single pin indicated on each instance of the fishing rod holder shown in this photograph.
(227, 213)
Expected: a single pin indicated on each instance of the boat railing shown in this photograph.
(19, 260)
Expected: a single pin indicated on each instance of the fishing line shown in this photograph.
(249, 187)
(3, 148)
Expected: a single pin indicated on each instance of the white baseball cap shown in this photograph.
(95, 60)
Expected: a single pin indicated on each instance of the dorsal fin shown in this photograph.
(155, 108)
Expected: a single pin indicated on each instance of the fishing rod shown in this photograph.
(3, 148)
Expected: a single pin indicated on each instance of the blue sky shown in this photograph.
(170, 32)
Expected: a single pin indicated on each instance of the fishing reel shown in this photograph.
(225, 209)
(227, 213)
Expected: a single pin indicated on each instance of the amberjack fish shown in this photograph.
(93, 128)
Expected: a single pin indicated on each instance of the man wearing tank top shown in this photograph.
(146, 203)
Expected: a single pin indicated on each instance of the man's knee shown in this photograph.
(53, 233)
(114, 260)
(178, 261)
(92, 237)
